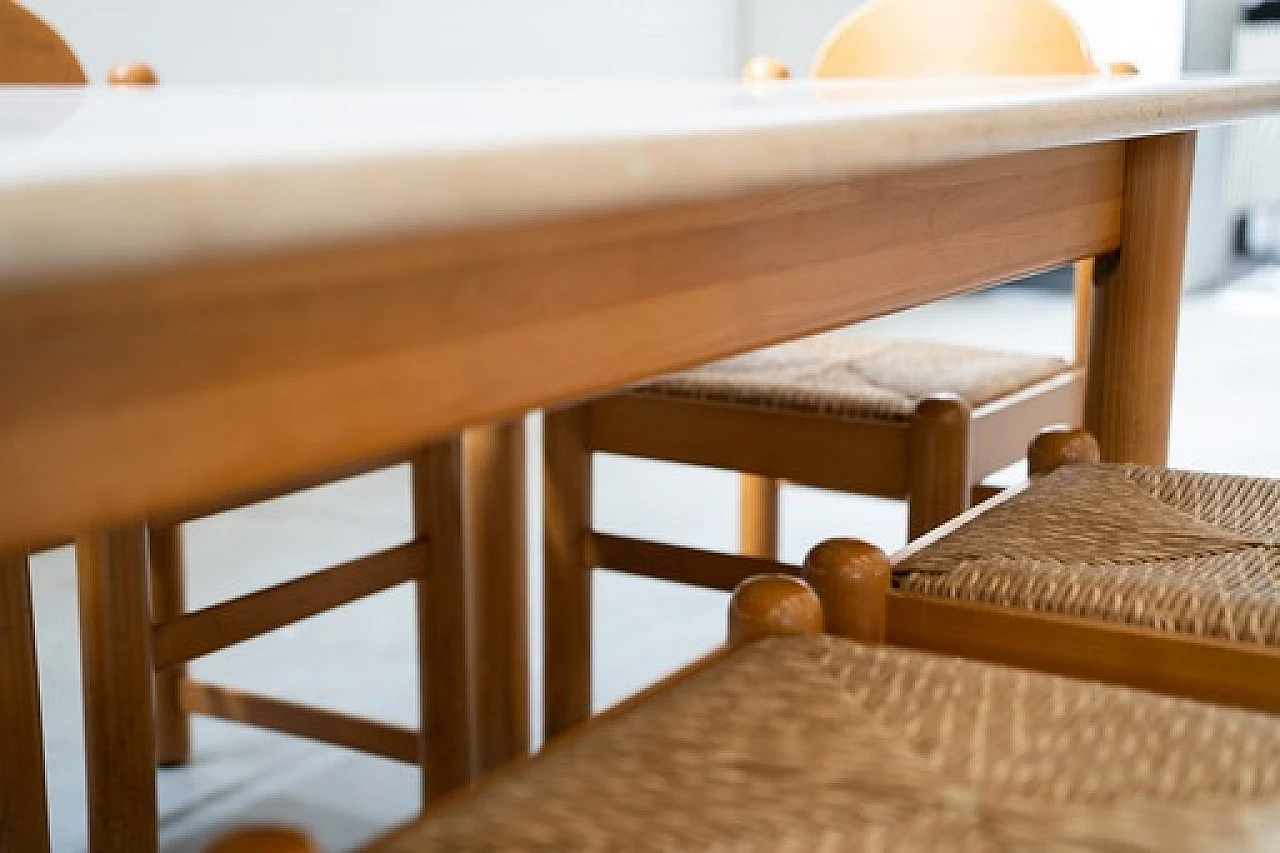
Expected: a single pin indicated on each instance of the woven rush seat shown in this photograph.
(821, 744)
(1169, 550)
(849, 377)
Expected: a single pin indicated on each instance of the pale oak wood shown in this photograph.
(678, 564)
(938, 473)
(1207, 669)
(869, 457)
(1251, 676)
(759, 513)
(983, 492)
(493, 483)
(762, 69)
(376, 738)
(901, 38)
(1214, 671)
(132, 74)
(773, 606)
(1082, 288)
(866, 457)
(31, 52)
(191, 635)
(566, 507)
(24, 813)
(448, 732)
(586, 296)
(1056, 447)
(623, 707)
(115, 640)
(851, 580)
(931, 458)
(1129, 392)
(265, 840)
(926, 38)
(167, 581)
(875, 458)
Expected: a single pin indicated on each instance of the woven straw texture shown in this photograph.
(820, 744)
(1170, 550)
(842, 376)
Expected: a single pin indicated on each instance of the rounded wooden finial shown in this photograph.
(1058, 446)
(265, 840)
(1123, 69)
(762, 69)
(851, 579)
(773, 606)
(944, 410)
(132, 74)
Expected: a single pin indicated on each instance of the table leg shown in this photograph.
(1137, 297)
(494, 485)
(24, 813)
(115, 639)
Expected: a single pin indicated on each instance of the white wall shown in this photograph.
(1210, 31)
(299, 41)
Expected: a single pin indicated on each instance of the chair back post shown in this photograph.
(943, 38)
(32, 53)
(773, 606)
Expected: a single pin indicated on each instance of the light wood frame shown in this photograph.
(936, 460)
(853, 577)
(872, 457)
(138, 698)
(1231, 673)
(467, 559)
(843, 589)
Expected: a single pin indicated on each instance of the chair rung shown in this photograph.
(385, 739)
(213, 628)
(675, 563)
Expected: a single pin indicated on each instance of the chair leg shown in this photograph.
(852, 580)
(115, 638)
(168, 601)
(758, 516)
(24, 812)
(445, 686)
(494, 498)
(938, 478)
(566, 573)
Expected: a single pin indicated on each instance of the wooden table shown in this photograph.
(204, 292)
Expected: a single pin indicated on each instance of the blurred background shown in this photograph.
(361, 657)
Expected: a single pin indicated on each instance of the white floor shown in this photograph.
(361, 658)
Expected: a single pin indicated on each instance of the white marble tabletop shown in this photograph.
(98, 178)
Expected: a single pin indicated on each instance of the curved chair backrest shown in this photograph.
(955, 38)
(32, 53)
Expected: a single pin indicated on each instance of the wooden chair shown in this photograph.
(924, 422)
(1157, 579)
(791, 740)
(134, 618)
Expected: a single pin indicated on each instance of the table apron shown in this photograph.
(132, 394)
